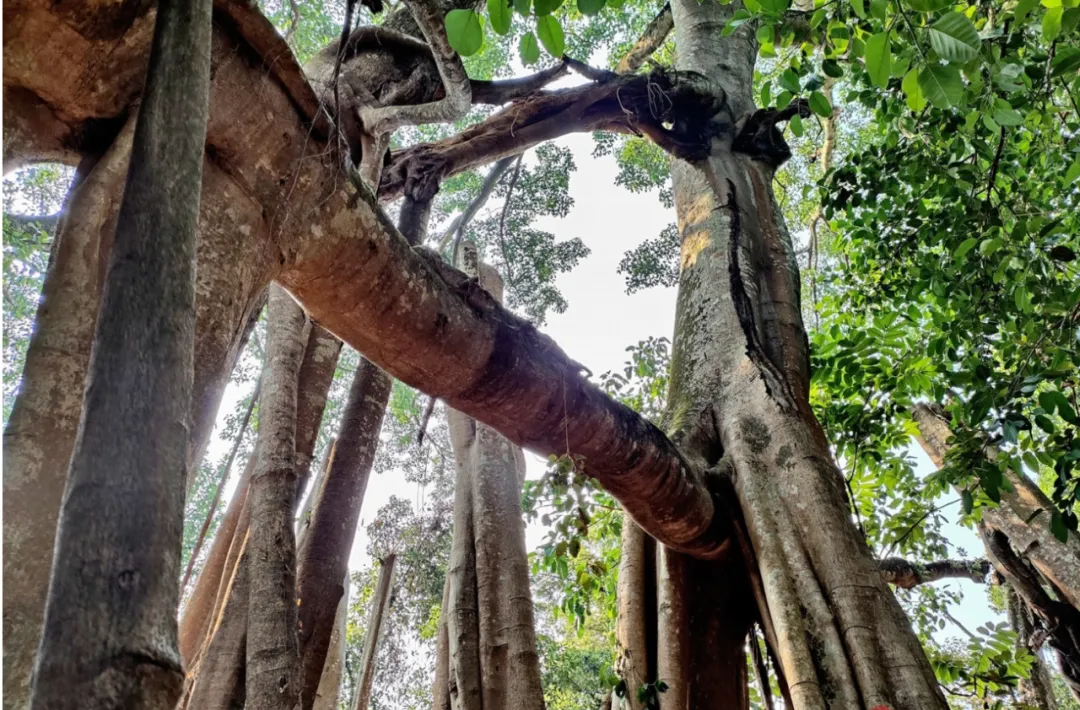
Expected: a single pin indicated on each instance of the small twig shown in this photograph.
(221, 484)
(502, 219)
(917, 523)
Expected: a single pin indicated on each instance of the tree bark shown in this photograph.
(110, 633)
(635, 628)
(1037, 690)
(44, 419)
(198, 613)
(493, 656)
(313, 386)
(272, 648)
(217, 678)
(1023, 516)
(380, 608)
(324, 558)
(326, 697)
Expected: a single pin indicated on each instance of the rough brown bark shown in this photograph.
(324, 558)
(380, 608)
(44, 419)
(110, 634)
(906, 574)
(654, 36)
(272, 650)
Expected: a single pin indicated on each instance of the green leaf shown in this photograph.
(941, 85)
(500, 14)
(1072, 173)
(1057, 526)
(1051, 25)
(590, 7)
(1066, 61)
(551, 35)
(820, 105)
(1006, 115)
(859, 6)
(529, 49)
(796, 125)
(879, 59)
(1022, 9)
(783, 100)
(964, 248)
(522, 7)
(968, 501)
(832, 68)
(546, 7)
(916, 100)
(790, 80)
(954, 38)
(464, 32)
(775, 6)
(927, 5)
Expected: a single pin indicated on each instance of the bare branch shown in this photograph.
(651, 40)
(504, 91)
(457, 227)
(458, 97)
(906, 575)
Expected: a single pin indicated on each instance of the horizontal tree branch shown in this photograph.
(906, 574)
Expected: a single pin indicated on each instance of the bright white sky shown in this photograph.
(603, 320)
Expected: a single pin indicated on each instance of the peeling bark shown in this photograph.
(110, 635)
(326, 696)
(41, 431)
(380, 608)
(198, 612)
(272, 649)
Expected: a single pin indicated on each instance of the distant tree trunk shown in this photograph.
(324, 558)
(110, 633)
(217, 676)
(198, 612)
(492, 642)
(272, 648)
(380, 608)
(313, 385)
(326, 697)
(303, 518)
(1023, 516)
(635, 629)
(44, 418)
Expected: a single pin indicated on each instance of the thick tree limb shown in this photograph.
(906, 574)
(458, 92)
(504, 91)
(656, 32)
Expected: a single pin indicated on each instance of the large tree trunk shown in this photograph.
(493, 658)
(324, 558)
(272, 647)
(110, 632)
(45, 416)
(380, 609)
(739, 400)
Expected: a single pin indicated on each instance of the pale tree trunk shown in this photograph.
(272, 647)
(492, 644)
(324, 557)
(739, 400)
(635, 629)
(110, 632)
(326, 697)
(303, 518)
(45, 416)
(313, 386)
(380, 609)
